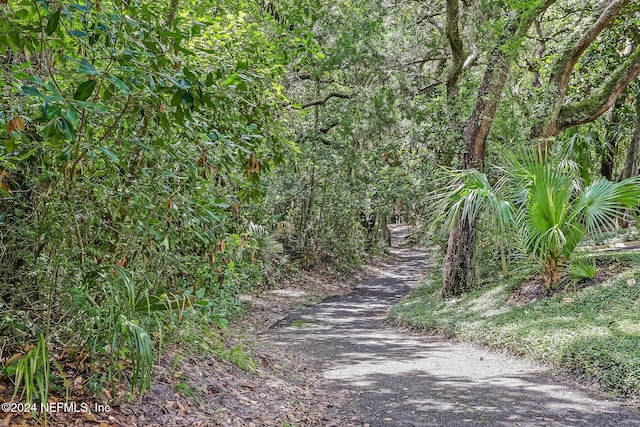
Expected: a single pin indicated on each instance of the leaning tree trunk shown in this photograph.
(458, 269)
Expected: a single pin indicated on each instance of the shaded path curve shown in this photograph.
(397, 378)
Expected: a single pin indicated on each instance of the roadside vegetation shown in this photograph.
(592, 331)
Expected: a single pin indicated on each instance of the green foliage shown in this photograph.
(140, 353)
(581, 268)
(133, 143)
(560, 211)
(544, 202)
(32, 372)
(198, 338)
(471, 194)
(187, 390)
(155, 162)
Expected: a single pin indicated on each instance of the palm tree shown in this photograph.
(544, 201)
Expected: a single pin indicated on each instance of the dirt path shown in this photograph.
(395, 378)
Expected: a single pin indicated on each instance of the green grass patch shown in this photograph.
(593, 332)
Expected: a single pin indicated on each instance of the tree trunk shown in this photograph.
(479, 123)
(458, 267)
(458, 263)
(458, 272)
(384, 229)
(611, 140)
(632, 161)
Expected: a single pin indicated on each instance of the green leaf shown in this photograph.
(152, 84)
(72, 117)
(119, 84)
(110, 154)
(9, 145)
(66, 128)
(36, 80)
(91, 106)
(67, 152)
(53, 22)
(85, 90)
(87, 68)
(67, 12)
(30, 90)
(78, 33)
(207, 100)
(51, 129)
(176, 99)
(187, 99)
(209, 79)
(80, 7)
(164, 121)
(52, 111)
(233, 80)
(29, 153)
(181, 84)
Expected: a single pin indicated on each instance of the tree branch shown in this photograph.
(430, 17)
(472, 58)
(171, 15)
(564, 67)
(594, 106)
(323, 130)
(427, 87)
(548, 114)
(427, 16)
(328, 127)
(428, 59)
(543, 48)
(325, 99)
(456, 46)
(305, 75)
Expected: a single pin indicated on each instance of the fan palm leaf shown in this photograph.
(604, 201)
(470, 194)
(544, 201)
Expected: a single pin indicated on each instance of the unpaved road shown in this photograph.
(397, 378)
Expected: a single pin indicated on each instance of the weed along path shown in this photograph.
(384, 376)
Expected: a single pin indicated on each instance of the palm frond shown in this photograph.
(266, 244)
(604, 201)
(470, 194)
(581, 268)
(543, 191)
